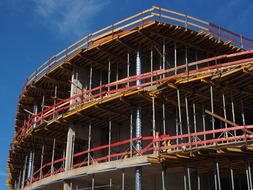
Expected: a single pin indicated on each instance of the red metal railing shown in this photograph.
(98, 93)
(155, 13)
(162, 143)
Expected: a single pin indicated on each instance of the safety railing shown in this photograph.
(155, 13)
(156, 145)
(147, 79)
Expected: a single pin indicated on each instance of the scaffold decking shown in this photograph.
(159, 100)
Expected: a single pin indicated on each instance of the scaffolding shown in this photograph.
(155, 96)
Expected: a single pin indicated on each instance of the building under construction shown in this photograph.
(159, 100)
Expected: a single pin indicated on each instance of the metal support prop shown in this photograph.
(52, 159)
(109, 140)
(224, 111)
(233, 112)
(204, 120)
(185, 180)
(30, 160)
(232, 177)
(175, 57)
(218, 175)
(187, 118)
(131, 135)
(179, 112)
(110, 183)
(24, 172)
(89, 143)
(123, 180)
(194, 117)
(92, 183)
(164, 119)
(153, 116)
(189, 178)
(242, 113)
(196, 59)
(100, 81)
(215, 181)
(186, 60)
(109, 73)
(128, 66)
(163, 179)
(41, 160)
(199, 182)
(90, 81)
(151, 62)
(250, 176)
(164, 58)
(117, 75)
(248, 180)
(19, 179)
(32, 168)
(212, 108)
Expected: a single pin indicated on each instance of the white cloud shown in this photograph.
(68, 17)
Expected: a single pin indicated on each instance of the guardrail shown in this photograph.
(153, 144)
(155, 13)
(65, 106)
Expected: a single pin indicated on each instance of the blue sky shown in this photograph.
(33, 30)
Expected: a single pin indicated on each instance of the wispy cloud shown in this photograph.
(68, 17)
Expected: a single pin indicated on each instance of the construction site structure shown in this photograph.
(159, 100)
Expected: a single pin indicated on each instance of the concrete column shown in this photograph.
(70, 148)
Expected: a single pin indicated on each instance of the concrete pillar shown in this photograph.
(70, 148)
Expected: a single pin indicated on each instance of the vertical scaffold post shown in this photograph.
(138, 173)
(24, 172)
(175, 57)
(109, 140)
(215, 181)
(89, 142)
(100, 82)
(41, 160)
(212, 108)
(194, 117)
(52, 159)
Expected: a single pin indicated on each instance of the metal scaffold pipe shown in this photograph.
(138, 174)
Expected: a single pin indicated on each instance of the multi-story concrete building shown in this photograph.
(159, 100)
